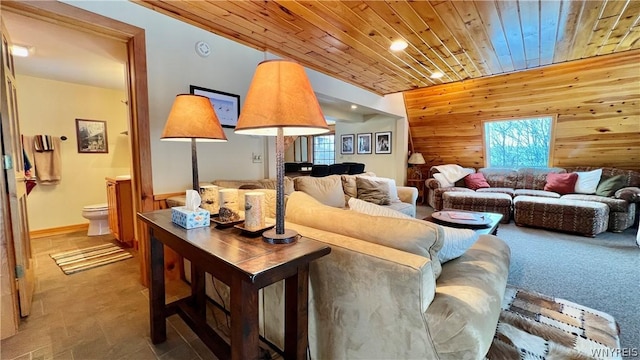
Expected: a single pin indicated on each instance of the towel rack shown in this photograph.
(63, 138)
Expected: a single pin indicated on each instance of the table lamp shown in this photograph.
(416, 159)
(280, 102)
(192, 118)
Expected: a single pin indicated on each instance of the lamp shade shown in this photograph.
(193, 117)
(416, 159)
(280, 96)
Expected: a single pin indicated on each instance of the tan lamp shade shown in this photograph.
(280, 96)
(193, 117)
(416, 159)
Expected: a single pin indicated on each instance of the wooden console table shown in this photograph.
(245, 265)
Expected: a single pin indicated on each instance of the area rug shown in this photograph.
(536, 326)
(75, 261)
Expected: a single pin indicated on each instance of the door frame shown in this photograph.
(136, 73)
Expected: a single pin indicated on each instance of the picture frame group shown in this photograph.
(364, 143)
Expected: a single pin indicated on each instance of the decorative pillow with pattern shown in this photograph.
(373, 191)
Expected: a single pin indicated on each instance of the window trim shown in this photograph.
(552, 134)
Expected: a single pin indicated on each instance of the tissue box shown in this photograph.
(190, 219)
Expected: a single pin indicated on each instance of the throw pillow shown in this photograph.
(561, 183)
(393, 189)
(455, 241)
(476, 181)
(588, 181)
(373, 191)
(608, 187)
(365, 207)
(327, 189)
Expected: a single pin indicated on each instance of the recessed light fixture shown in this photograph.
(19, 50)
(353, 107)
(398, 45)
(436, 75)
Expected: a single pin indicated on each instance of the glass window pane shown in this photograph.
(518, 143)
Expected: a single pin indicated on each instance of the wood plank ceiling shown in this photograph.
(350, 40)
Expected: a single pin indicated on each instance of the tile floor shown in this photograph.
(101, 313)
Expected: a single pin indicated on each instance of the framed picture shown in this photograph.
(383, 142)
(364, 143)
(226, 106)
(92, 136)
(347, 142)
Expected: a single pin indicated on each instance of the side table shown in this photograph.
(246, 265)
(419, 184)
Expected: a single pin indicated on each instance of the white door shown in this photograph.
(13, 164)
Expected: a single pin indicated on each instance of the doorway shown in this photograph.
(134, 38)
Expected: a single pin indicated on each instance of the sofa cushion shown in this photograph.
(417, 237)
(535, 178)
(366, 207)
(476, 181)
(615, 205)
(373, 191)
(561, 183)
(327, 189)
(498, 190)
(608, 187)
(588, 181)
(500, 177)
(527, 192)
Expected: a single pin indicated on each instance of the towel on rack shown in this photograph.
(43, 143)
(47, 164)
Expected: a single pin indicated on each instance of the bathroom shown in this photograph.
(50, 107)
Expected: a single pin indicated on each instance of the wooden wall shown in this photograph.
(596, 100)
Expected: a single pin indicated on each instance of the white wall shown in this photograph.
(173, 65)
(51, 107)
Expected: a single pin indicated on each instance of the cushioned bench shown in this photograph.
(588, 218)
(475, 201)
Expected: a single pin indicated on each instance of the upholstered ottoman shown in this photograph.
(588, 218)
(484, 202)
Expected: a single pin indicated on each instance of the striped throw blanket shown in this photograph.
(43, 143)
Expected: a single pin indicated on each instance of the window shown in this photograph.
(518, 143)
(324, 149)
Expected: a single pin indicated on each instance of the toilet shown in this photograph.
(97, 215)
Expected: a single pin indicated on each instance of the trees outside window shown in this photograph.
(324, 150)
(518, 143)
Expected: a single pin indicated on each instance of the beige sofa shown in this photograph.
(332, 190)
(382, 293)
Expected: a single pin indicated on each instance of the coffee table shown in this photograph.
(490, 229)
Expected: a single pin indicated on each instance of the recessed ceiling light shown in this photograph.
(436, 75)
(19, 50)
(353, 107)
(398, 45)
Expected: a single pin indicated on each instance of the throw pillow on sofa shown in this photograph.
(588, 181)
(327, 189)
(476, 181)
(608, 187)
(376, 192)
(561, 183)
(455, 241)
(393, 189)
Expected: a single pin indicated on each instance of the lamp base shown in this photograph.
(289, 236)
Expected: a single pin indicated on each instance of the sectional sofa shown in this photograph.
(521, 192)
(383, 292)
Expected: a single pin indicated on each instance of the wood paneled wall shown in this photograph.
(596, 100)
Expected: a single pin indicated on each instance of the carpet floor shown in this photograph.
(535, 326)
(71, 262)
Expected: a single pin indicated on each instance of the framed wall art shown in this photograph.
(383, 142)
(226, 105)
(92, 136)
(346, 144)
(364, 143)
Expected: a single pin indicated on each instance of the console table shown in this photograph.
(246, 265)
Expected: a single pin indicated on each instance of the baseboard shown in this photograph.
(35, 234)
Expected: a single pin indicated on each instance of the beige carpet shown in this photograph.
(535, 326)
(75, 261)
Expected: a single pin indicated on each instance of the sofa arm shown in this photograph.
(432, 183)
(366, 300)
(408, 194)
(629, 194)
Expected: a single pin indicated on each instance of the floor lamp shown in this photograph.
(192, 118)
(280, 103)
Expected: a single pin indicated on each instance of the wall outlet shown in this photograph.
(256, 158)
